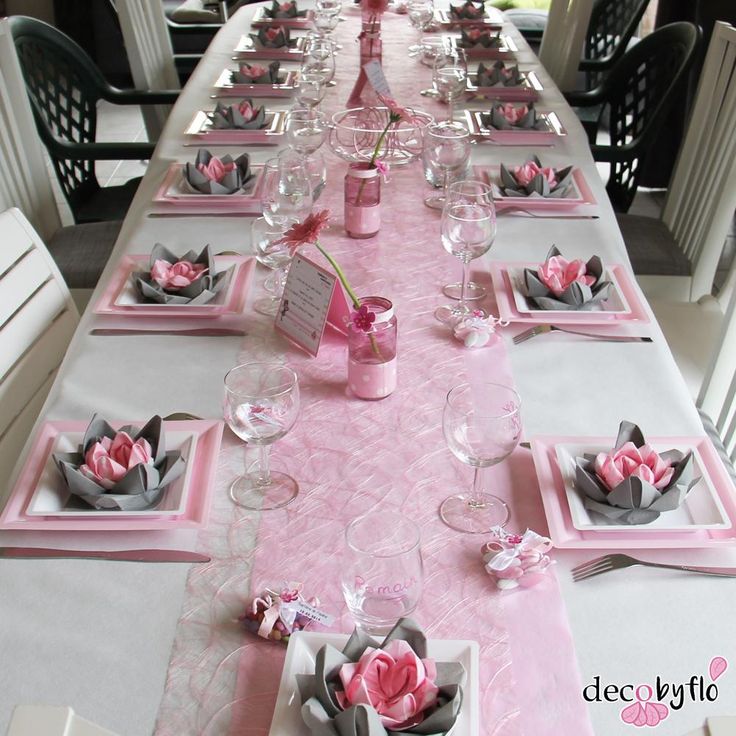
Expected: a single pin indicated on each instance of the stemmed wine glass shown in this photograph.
(451, 76)
(306, 131)
(319, 57)
(274, 255)
(261, 404)
(311, 87)
(286, 191)
(468, 231)
(446, 151)
(421, 14)
(482, 425)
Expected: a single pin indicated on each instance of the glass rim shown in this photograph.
(456, 186)
(460, 128)
(271, 395)
(411, 523)
(464, 386)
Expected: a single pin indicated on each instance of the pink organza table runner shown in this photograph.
(352, 456)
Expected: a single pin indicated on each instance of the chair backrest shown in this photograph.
(37, 320)
(562, 42)
(24, 180)
(702, 196)
(150, 54)
(612, 25)
(63, 85)
(638, 93)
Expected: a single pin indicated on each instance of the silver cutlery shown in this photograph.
(201, 214)
(123, 555)
(521, 212)
(607, 563)
(206, 332)
(544, 329)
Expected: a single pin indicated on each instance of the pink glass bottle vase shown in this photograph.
(362, 200)
(371, 47)
(372, 355)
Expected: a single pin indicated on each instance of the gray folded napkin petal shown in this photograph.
(576, 297)
(270, 76)
(236, 180)
(229, 117)
(487, 39)
(634, 501)
(272, 38)
(141, 487)
(320, 707)
(498, 75)
(467, 11)
(201, 291)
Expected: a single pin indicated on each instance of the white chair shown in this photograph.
(563, 39)
(150, 54)
(51, 720)
(37, 320)
(676, 258)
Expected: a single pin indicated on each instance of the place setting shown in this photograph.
(257, 80)
(483, 43)
(237, 124)
(469, 14)
(273, 42)
(210, 184)
(510, 124)
(284, 14)
(503, 81)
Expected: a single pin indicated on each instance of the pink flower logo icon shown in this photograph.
(642, 712)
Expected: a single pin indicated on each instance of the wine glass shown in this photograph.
(451, 76)
(273, 255)
(421, 14)
(306, 130)
(311, 87)
(261, 405)
(468, 231)
(445, 153)
(482, 425)
(319, 57)
(286, 191)
(325, 21)
(317, 173)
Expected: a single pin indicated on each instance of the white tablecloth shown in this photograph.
(98, 636)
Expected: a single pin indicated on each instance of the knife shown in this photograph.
(123, 555)
(207, 332)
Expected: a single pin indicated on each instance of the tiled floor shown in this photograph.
(115, 124)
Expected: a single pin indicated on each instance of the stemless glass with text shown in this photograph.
(261, 404)
(382, 569)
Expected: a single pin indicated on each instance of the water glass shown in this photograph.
(468, 230)
(319, 58)
(260, 405)
(306, 130)
(451, 76)
(445, 155)
(311, 87)
(421, 14)
(481, 423)
(274, 255)
(286, 192)
(382, 569)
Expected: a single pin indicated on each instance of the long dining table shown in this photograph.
(156, 648)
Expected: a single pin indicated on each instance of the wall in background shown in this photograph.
(41, 9)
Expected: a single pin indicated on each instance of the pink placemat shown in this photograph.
(351, 456)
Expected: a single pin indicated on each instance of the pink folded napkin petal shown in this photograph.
(177, 275)
(106, 462)
(253, 71)
(216, 169)
(526, 173)
(558, 274)
(629, 460)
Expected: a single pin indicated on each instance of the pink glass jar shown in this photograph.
(372, 355)
(362, 201)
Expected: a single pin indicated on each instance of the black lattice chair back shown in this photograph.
(64, 86)
(612, 25)
(637, 95)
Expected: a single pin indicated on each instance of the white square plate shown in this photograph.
(52, 498)
(300, 660)
(615, 304)
(702, 509)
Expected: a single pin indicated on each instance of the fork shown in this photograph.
(607, 563)
(544, 329)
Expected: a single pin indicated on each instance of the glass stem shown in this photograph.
(475, 501)
(445, 183)
(262, 471)
(451, 101)
(463, 288)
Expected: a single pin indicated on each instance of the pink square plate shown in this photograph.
(492, 19)
(202, 131)
(553, 130)
(39, 477)
(579, 193)
(527, 91)
(248, 49)
(120, 298)
(225, 87)
(631, 311)
(562, 529)
(175, 194)
(506, 51)
(261, 20)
